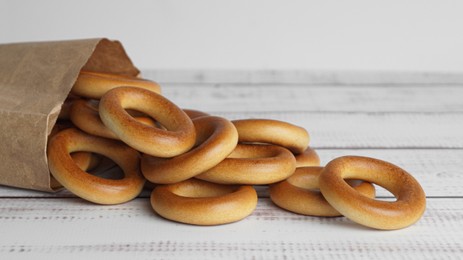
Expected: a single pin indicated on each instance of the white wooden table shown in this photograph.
(414, 120)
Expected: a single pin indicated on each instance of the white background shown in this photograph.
(393, 35)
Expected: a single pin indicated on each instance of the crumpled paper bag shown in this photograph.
(35, 79)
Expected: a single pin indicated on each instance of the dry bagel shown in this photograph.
(84, 160)
(299, 193)
(406, 210)
(179, 137)
(96, 84)
(216, 139)
(202, 203)
(90, 187)
(253, 164)
(84, 114)
(195, 154)
(293, 137)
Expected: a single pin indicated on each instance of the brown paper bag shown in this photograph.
(35, 79)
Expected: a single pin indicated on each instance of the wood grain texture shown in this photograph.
(61, 228)
(414, 120)
(371, 130)
(316, 98)
(342, 117)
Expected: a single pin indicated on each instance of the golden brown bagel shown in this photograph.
(179, 137)
(84, 114)
(90, 187)
(202, 203)
(411, 200)
(96, 84)
(84, 160)
(216, 138)
(295, 138)
(253, 164)
(308, 158)
(299, 193)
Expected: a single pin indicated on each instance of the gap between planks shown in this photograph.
(307, 85)
(289, 77)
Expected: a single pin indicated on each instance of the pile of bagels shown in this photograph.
(202, 169)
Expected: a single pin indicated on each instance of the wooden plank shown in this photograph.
(237, 98)
(71, 228)
(303, 77)
(413, 120)
(371, 130)
(346, 118)
(438, 171)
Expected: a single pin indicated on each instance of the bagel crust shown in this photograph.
(178, 138)
(84, 114)
(299, 193)
(216, 139)
(85, 185)
(406, 210)
(253, 164)
(203, 203)
(290, 136)
(94, 85)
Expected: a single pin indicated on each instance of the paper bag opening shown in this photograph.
(35, 79)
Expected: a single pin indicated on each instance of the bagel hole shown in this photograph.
(94, 104)
(202, 191)
(383, 194)
(353, 182)
(106, 168)
(144, 118)
(86, 161)
(136, 113)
